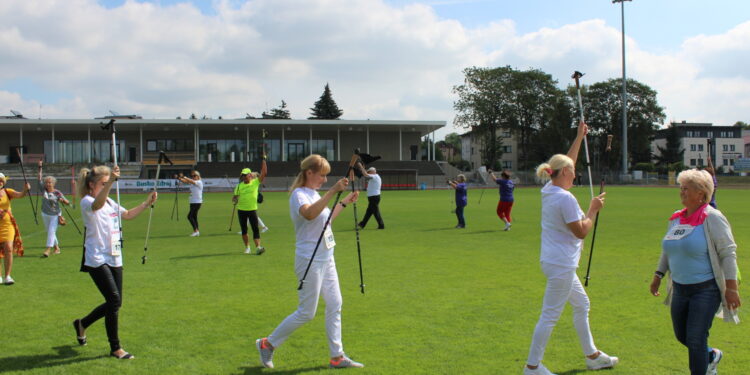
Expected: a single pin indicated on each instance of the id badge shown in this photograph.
(679, 232)
(115, 245)
(328, 236)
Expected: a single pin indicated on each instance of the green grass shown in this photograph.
(439, 300)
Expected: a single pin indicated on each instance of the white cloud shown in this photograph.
(382, 62)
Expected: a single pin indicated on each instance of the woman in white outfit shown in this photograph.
(309, 212)
(564, 226)
(51, 211)
(196, 198)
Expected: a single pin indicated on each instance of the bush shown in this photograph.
(677, 167)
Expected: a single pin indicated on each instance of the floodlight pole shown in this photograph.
(624, 92)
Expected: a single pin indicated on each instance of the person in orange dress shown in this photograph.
(10, 237)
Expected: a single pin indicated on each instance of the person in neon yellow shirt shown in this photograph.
(246, 199)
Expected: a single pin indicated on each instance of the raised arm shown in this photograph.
(135, 211)
(39, 170)
(263, 169)
(101, 198)
(575, 148)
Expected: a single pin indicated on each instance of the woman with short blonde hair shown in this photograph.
(699, 253)
(51, 212)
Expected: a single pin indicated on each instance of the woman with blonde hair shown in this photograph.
(564, 226)
(51, 212)
(698, 251)
(309, 212)
(102, 255)
(10, 237)
(196, 198)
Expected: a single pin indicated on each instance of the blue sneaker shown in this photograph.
(718, 354)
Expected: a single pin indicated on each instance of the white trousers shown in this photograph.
(322, 279)
(563, 286)
(50, 222)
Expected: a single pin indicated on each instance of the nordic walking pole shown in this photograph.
(111, 127)
(356, 227)
(480, 196)
(234, 206)
(576, 76)
(596, 221)
(328, 221)
(175, 207)
(162, 158)
(72, 219)
(26, 182)
(37, 189)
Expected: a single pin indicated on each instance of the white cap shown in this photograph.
(371, 169)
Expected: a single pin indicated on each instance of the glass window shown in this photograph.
(692, 147)
(700, 147)
(731, 147)
(724, 147)
(692, 162)
(151, 146)
(507, 164)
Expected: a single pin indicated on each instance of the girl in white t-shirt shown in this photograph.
(196, 198)
(564, 226)
(102, 257)
(309, 212)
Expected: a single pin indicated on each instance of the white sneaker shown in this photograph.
(344, 362)
(264, 230)
(540, 370)
(195, 234)
(602, 361)
(715, 363)
(8, 280)
(507, 227)
(248, 251)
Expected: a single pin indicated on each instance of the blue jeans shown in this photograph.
(460, 216)
(693, 310)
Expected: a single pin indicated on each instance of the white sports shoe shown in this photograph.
(540, 370)
(247, 250)
(344, 362)
(715, 363)
(195, 234)
(264, 230)
(265, 352)
(8, 280)
(602, 361)
(507, 227)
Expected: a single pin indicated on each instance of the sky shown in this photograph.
(383, 59)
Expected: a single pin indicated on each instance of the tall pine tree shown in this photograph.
(279, 113)
(325, 108)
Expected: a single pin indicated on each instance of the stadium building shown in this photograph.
(727, 144)
(220, 148)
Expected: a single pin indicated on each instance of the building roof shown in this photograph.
(423, 127)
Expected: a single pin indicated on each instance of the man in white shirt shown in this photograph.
(373, 196)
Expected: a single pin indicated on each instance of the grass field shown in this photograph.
(439, 300)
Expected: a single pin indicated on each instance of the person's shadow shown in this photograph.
(248, 370)
(65, 356)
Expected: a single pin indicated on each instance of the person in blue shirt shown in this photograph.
(506, 196)
(461, 199)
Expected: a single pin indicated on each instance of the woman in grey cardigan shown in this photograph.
(699, 253)
(51, 211)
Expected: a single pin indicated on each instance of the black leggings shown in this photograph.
(244, 216)
(109, 281)
(193, 215)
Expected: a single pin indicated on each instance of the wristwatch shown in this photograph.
(342, 204)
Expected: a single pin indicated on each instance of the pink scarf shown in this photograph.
(697, 218)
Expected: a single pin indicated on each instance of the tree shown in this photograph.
(325, 108)
(524, 102)
(742, 125)
(602, 102)
(279, 113)
(672, 152)
(454, 140)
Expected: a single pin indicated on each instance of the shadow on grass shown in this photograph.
(438, 229)
(187, 235)
(65, 356)
(205, 256)
(480, 232)
(573, 372)
(261, 370)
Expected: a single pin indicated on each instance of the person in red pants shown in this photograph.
(506, 197)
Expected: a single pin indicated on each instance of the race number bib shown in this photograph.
(328, 237)
(679, 232)
(115, 244)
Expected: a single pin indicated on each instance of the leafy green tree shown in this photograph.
(325, 108)
(278, 113)
(742, 124)
(602, 102)
(454, 139)
(672, 152)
